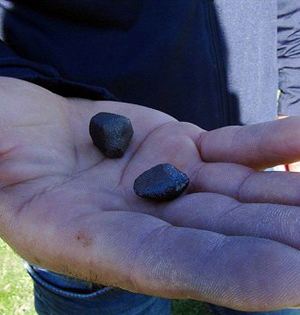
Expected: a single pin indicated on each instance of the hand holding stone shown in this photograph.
(232, 238)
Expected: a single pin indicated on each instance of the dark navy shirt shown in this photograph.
(212, 63)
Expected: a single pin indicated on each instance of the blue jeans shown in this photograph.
(61, 295)
(218, 310)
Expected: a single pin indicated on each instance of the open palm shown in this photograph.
(232, 239)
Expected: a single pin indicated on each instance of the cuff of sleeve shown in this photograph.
(60, 86)
(69, 88)
(289, 100)
(12, 65)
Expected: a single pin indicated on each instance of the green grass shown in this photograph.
(15, 285)
(189, 307)
(16, 296)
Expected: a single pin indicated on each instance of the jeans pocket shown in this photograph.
(50, 299)
(78, 293)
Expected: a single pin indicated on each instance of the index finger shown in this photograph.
(258, 146)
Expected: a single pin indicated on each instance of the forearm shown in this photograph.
(289, 57)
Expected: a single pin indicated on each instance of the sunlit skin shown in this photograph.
(233, 238)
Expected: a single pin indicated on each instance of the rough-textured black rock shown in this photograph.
(111, 134)
(161, 182)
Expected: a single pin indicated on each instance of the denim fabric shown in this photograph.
(218, 310)
(61, 295)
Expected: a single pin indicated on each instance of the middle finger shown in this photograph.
(224, 215)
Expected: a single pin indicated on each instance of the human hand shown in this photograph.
(232, 239)
(293, 167)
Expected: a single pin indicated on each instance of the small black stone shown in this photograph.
(161, 183)
(111, 134)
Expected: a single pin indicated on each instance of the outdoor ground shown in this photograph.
(16, 289)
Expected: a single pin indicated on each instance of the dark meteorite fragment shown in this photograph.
(111, 134)
(161, 182)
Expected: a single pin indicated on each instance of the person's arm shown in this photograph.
(66, 207)
(289, 57)
(289, 62)
(14, 66)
